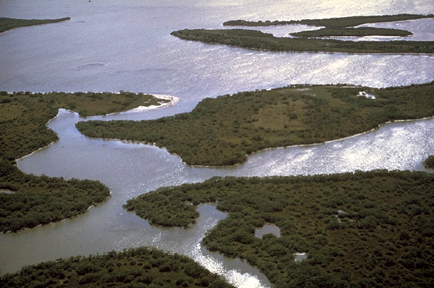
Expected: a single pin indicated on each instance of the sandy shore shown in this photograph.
(172, 101)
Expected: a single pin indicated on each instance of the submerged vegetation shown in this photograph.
(28, 200)
(142, 267)
(222, 131)
(367, 229)
(10, 23)
(333, 27)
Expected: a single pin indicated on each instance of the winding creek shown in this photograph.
(126, 45)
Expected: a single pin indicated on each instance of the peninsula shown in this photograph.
(361, 229)
(222, 131)
(11, 23)
(302, 41)
(141, 267)
(28, 200)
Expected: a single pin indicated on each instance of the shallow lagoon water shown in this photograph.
(126, 45)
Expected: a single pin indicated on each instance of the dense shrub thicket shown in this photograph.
(331, 22)
(31, 200)
(134, 268)
(344, 26)
(429, 162)
(27, 200)
(10, 23)
(222, 131)
(333, 27)
(367, 229)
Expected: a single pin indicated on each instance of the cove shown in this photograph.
(141, 168)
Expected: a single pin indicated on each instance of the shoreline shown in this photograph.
(172, 101)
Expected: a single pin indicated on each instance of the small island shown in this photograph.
(11, 23)
(223, 130)
(361, 229)
(28, 200)
(302, 41)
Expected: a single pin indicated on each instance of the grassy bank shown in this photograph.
(222, 131)
(10, 23)
(33, 200)
(371, 229)
(142, 267)
(333, 27)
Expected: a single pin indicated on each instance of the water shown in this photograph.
(267, 229)
(126, 45)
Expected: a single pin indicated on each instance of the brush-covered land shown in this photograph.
(142, 267)
(331, 22)
(332, 27)
(344, 26)
(28, 200)
(429, 162)
(223, 130)
(367, 229)
(10, 23)
(31, 200)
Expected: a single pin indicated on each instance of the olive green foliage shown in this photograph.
(331, 22)
(333, 27)
(367, 229)
(265, 41)
(222, 131)
(23, 118)
(133, 268)
(10, 23)
(429, 162)
(33, 200)
(340, 26)
(23, 115)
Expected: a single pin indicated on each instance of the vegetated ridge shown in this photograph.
(140, 267)
(10, 23)
(252, 39)
(363, 229)
(222, 131)
(28, 200)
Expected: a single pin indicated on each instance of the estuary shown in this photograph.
(126, 45)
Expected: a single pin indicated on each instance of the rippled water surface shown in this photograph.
(117, 45)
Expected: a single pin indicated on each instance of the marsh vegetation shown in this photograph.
(23, 117)
(363, 229)
(429, 162)
(223, 130)
(134, 268)
(252, 39)
(10, 23)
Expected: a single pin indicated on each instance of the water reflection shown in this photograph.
(99, 51)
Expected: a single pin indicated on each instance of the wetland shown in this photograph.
(183, 69)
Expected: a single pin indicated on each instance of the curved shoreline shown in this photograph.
(172, 101)
(226, 129)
